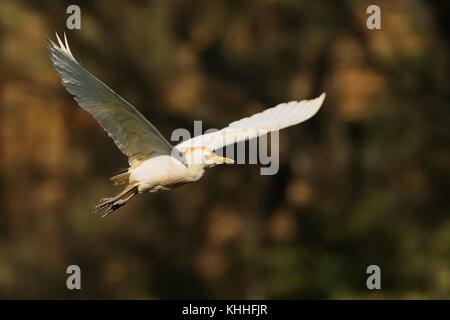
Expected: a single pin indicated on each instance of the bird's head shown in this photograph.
(203, 156)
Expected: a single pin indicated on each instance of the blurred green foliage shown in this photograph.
(366, 181)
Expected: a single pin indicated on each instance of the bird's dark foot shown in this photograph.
(103, 204)
(108, 205)
(112, 207)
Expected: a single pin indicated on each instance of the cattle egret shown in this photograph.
(154, 164)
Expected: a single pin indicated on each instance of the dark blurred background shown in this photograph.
(366, 181)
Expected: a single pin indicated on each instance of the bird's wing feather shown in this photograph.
(276, 118)
(133, 134)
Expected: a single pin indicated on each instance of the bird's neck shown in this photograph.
(195, 171)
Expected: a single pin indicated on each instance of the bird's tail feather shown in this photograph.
(121, 178)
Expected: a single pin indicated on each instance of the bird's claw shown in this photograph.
(103, 203)
(107, 206)
(104, 200)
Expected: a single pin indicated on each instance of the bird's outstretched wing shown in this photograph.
(133, 134)
(273, 119)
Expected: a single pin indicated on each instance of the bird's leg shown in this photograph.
(107, 201)
(116, 197)
(119, 203)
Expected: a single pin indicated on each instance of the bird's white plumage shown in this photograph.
(153, 164)
(133, 134)
(276, 118)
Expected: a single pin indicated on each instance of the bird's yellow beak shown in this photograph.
(221, 160)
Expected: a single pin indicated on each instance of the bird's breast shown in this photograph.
(163, 173)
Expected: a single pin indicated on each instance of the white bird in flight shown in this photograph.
(154, 164)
